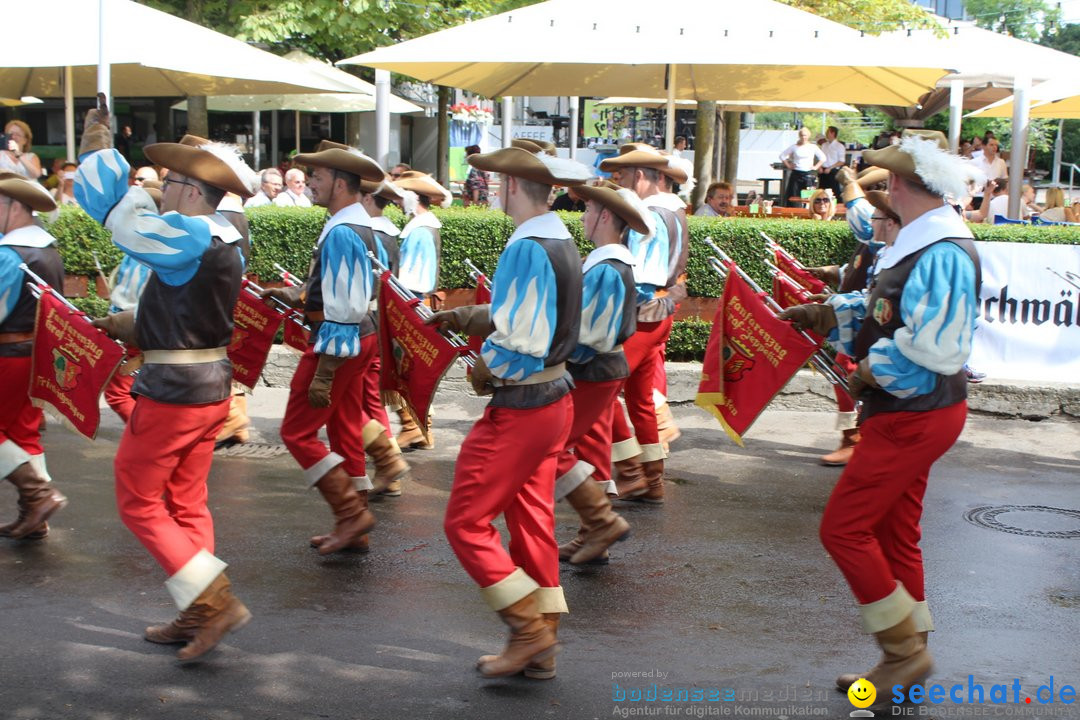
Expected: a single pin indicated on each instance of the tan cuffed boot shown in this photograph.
(545, 669)
(567, 549)
(842, 455)
(219, 612)
(359, 545)
(630, 478)
(848, 679)
(39, 533)
(180, 630)
(602, 526)
(236, 422)
(411, 436)
(665, 425)
(531, 640)
(352, 519)
(38, 500)
(654, 482)
(390, 467)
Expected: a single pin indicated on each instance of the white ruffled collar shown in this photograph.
(927, 229)
(665, 200)
(616, 251)
(221, 228)
(385, 225)
(354, 214)
(29, 236)
(428, 220)
(547, 225)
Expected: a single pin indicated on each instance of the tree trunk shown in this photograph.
(731, 146)
(442, 150)
(197, 122)
(352, 129)
(163, 120)
(704, 141)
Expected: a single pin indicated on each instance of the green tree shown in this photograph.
(1065, 38)
(1024, 19)
(871, 16)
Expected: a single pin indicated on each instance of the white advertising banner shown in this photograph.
(1029, 312)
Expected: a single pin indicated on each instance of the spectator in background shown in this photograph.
(802, 159)
(835, 153)
(822, 205)
(679, 146)
(124, 138)
(976, 146)
(718, 200)
(293, 194)
(1055, 207)
(476, 184)
(15, 156)
(569, 200)
(965, 148)
(64, 194)
(397, 170)
(146, 172)
(270, 187)
(990, 163)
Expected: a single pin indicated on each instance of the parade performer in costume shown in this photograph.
(599, 368)
(183, 327)
(22, 459)
(660, 261)
(328, 386)
(910, 335)
(508, 461)
(421, 255)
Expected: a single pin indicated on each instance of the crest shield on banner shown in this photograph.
(798, 273)
(72, 363)
(414, 355)
(750, 356)
(255, 324)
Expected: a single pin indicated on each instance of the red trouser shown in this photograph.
(161, 468)
(373, 404)
(507, 466)
(871, 522)
(844, 402)
(643, 355)
(344, 419)
(118, 395)
(20, 421)
(590, 433)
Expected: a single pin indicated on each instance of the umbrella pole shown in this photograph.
(574, 102)
(256, 131)
(69, 113)
(382, 117)
(956, 113)
(507, 120)
(669, 130)
(1019, 151)
(103, 74)
(297, 127)
(275, 134)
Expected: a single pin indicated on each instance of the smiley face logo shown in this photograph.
(862, 693)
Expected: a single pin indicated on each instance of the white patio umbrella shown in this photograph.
(735, 105)
(1057, 99)
(693, 49)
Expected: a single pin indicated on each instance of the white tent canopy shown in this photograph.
(313, 102)
(735, 105)
(1057, 99)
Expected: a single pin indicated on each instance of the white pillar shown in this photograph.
(669, 130)
(956, 113)
(256, 131)
(1056, 177)
(104, 84)
(574, 102)
(507, 120)
(382, 117)
(69, 113)
(1018, 154)
(274, 138)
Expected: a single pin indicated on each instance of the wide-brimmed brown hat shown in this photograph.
(868, 177)
(215, 164)
(619, 201)
(342, 158)
(31, 194)
(644, 156)
(897, 160)
(535, 167)
(423, 184)
(385, 189)
(535, 146)
(880, 200)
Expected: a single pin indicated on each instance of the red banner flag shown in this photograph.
(72, 363)
(255, 324)
(750, 356)
(483, 297)
(786, 292)
(296, 335)
(798, 273)
(414, 355)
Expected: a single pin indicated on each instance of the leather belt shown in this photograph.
(184, 357)
(546, 375)
(15, 337)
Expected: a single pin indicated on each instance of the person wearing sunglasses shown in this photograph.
(822, 205)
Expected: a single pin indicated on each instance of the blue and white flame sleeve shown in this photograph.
(346, 292)
(651, 256)
(419, 261)
(172, 245)
(11, 281)
(850, 309)
(523, 310)
(602, 297)
(938, 308)
(131, 277)
(859, 214)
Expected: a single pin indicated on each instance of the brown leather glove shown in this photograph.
(119, 325)
(481, 377)
(292, 296)
(816, 318)
(96, 132)
(468, 319)
(826, 273)
(861, 379)
(323, 380)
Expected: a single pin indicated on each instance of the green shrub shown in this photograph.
(92, 305)
(688, 339)
(78, 237)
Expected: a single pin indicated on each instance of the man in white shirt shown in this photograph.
(834, 160)
(270, 188)
(293, 195)
(801, 159)
(990, 163)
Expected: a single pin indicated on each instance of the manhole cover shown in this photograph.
(1030, 520)
(252, 450)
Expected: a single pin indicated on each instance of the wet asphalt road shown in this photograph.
(726, 587)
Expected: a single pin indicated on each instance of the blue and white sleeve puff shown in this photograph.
(172, 245)
(938, 308)
(651, 256)
(523, 310)
(850, 309)
(602, 298)
(346, 292)
(859, 214)
(131, 277)
(419, 261)
(11, 281)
